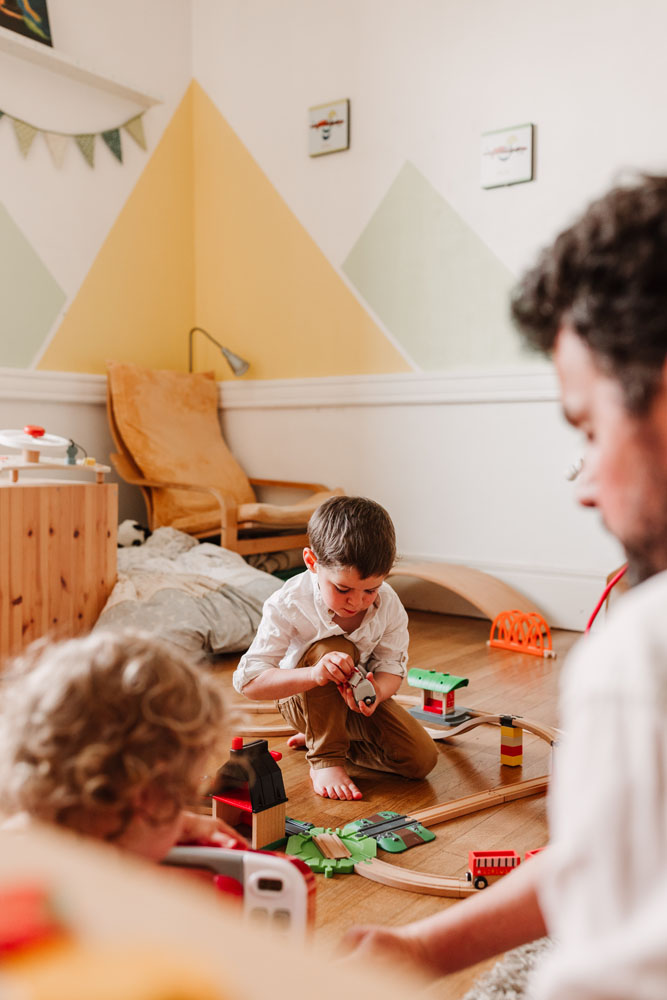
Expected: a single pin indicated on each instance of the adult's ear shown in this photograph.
(310, 559)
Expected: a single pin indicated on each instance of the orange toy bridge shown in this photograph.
(521, 632)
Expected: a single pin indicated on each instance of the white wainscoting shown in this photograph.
(471, 466)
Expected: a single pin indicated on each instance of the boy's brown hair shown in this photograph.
(88, 725)
(353, 532)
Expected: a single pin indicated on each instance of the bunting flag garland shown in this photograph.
(25, 134)
(112, 139)
(86, 144)
(135, 128)
(56, 142)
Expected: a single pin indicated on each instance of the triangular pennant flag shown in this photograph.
(57, 145)
(135, 127)
(86, 144)
(25, 134)
(112, 139)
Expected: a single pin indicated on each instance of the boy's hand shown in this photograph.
(332, 668)
(347, 694)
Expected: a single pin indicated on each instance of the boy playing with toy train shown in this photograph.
(320, 632)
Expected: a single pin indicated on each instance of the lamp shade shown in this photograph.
(238, 365)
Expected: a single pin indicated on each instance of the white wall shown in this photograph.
(472, 470)
(425, 78)
(481, 482)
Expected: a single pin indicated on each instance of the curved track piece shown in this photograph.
(404, 878)
(546, 733)
(484, 591)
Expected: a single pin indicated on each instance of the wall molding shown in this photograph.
(405, 389)
(52, 387)
(411, 389)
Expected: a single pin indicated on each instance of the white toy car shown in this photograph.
(362, 689)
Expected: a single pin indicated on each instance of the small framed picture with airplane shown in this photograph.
(329, 128)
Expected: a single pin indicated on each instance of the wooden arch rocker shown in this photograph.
(485, 592)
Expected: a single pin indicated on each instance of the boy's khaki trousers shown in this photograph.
(388, 740)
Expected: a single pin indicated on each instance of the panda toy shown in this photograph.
(132, 533)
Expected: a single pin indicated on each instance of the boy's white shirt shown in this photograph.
(296, 616)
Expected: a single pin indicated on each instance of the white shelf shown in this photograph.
(46, 57)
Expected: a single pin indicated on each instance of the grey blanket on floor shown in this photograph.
(196, 595)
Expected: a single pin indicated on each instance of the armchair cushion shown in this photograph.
(169, 424)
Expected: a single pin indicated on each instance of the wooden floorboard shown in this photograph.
(500, 683)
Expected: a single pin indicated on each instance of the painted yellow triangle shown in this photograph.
(137, 301)
(263, 286)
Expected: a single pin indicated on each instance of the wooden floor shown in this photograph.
(500, 683)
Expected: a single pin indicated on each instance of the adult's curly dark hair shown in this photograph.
(606, 277)
(88, 725)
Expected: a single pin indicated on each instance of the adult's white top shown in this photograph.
(604, 895)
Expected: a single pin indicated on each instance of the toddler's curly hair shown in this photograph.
(88, 724)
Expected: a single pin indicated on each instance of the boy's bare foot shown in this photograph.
(333, 783)
(297, 742)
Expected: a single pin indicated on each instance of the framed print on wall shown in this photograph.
(507, 156)
(328, 128)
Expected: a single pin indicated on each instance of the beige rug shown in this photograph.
(508, 978)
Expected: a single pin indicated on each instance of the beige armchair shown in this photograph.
(166, 428)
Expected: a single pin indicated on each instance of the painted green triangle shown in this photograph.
(438, 288)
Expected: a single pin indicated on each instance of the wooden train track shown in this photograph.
(547, 733)
(404, 878)
(433, 815)
(443, 885)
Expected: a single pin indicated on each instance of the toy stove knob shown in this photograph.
(34, 431)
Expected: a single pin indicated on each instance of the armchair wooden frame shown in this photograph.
(245, 540)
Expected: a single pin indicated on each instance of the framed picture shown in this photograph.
(507, 156)
(29, 19)
(328, 128)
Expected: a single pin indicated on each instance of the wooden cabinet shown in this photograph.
(57, 558)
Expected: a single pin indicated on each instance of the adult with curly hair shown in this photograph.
(597, 300)
(109, 736)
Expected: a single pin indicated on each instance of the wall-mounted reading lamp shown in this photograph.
(238, 365)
